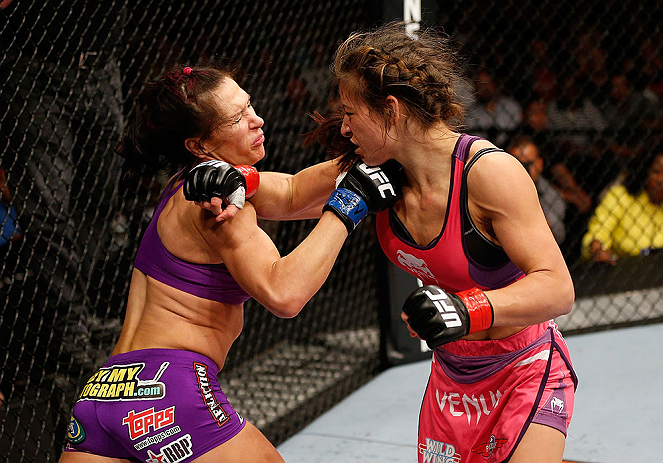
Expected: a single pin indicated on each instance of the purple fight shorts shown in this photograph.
(160, 405)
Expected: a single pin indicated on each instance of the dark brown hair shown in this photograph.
(171, 109)
(424, 73)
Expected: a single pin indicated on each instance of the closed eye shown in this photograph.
(239, 116)
(249, 105)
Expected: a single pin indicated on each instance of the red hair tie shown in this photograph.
(187, 71)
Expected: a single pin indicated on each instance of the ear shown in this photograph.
(393, 110)
(193, 145)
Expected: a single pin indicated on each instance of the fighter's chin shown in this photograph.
(369, 160)
(258, 154)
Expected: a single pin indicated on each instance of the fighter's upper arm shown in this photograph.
(507, 201)
(246, 250)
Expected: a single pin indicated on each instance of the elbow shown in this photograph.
(566, 297)
(290, 311)
(282, 297)
(286, 307)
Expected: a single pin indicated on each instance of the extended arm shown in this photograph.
(299, 196)
(282, 284)
(279, 196)
(285, 284)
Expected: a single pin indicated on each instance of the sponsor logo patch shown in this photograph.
(157, 438)
(415, 266)
(215, 409)
(121, 382)
(438, 452)
(141, 423)
(75, 431)
(557, 405)
(487, 449)
(459, 404)
(173, 452)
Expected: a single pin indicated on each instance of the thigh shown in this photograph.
(249, 445)
(540, 443)
(84, 457)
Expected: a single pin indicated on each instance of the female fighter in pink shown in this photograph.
(470, 227)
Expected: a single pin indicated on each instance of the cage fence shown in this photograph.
(583, 81)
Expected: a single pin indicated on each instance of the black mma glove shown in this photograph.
(218, 178)
(439, 317)
(365, 190)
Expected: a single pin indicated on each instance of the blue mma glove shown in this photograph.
(365, 190)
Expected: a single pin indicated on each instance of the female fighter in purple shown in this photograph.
(157, 399)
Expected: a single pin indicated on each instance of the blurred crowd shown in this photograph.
(580, 129)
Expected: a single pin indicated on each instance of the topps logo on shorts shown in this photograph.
(441, 301)
(379, 178)
(215, 409)
(141, 423)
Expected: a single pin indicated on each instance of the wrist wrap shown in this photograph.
(479, 308)
(252, 178)
(348, 206)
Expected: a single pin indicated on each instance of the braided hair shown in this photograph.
(424, 73)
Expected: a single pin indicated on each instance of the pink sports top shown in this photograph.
(460, 257)
(209, 281)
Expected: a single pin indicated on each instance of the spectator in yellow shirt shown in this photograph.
(629, 219)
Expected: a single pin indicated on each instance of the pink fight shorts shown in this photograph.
(482, 395)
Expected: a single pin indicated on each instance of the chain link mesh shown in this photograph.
(71, 219)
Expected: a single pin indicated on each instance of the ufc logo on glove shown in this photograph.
(443, 304)
(364, 190)
(376, 174)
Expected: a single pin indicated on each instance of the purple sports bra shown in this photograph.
(209, 281)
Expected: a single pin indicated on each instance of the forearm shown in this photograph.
(539, 296)
(296, 277)
(363, 190)
(300, 196)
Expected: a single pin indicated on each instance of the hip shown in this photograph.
(150, 402)
(482, 395)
